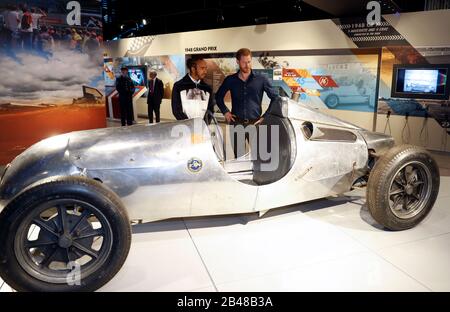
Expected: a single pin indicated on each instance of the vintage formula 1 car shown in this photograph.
(69, 200)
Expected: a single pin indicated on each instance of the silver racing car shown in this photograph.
(67, 202)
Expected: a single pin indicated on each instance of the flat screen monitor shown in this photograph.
(137, 75)
(421, 82)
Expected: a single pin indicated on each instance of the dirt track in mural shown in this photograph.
(23, 126)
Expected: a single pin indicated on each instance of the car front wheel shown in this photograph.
(403, 187)
(69, 234)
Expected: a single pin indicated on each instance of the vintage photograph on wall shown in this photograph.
(56, 63)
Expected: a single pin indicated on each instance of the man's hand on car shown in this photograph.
(229, 117)
(260, 120)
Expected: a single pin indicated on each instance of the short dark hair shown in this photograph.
(243, 52)
(192, 62)
(123, 68)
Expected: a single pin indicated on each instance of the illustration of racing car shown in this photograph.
(67, 202)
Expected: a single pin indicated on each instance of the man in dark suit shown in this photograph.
(155, 96)
(125, 88)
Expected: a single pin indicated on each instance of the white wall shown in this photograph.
(421, 29)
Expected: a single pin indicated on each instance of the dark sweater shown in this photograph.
(186, 84)
(246, 96)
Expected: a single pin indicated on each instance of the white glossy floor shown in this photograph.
(326, 245)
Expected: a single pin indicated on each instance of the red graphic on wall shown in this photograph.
(296, 72)
(287, 72)
(325, 81)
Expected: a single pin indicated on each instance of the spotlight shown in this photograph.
(144, 22)
(261, 20)
(220, 17)
(297, 6)
(121, 27)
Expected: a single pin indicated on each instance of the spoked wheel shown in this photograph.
(410, 190)
(403, 187)
(60, 235)
(66, 235)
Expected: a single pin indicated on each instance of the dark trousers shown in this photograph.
(27, 40)
(236, 137)
(7, 36)
(126, 111)
(153, 106)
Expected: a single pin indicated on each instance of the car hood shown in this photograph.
(138, 146)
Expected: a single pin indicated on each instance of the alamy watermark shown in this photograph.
(374, 16)
(73, 278)
(263, 141)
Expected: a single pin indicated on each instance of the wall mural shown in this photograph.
(345, 81)
(335, 79)
(51, 52)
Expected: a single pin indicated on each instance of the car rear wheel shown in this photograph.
(69, 234)
(332, 101)
(403, 187)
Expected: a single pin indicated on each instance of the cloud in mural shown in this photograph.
(58, 79)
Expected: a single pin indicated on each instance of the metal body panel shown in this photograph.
(161, 186)
(302, 112)
(138, 146)
(321, 168)
(378, 142)
(159, 173)
(42, 160)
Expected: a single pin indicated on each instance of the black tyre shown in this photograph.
(332, 101)
(69, 234)
(403, 187)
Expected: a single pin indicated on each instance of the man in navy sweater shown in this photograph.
(247, 90)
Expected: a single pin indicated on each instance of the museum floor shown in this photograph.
(331, 244)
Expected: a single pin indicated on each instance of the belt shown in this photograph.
(245, 121)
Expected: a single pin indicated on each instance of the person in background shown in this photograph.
(56, 34)
(26, 28)
(76, 39)
(90, 43)
(125, 88)
(12, 22)
(155, 96)
(191, 96)
(36, 15)
(100, 39)
(66, 38)
(44, 41)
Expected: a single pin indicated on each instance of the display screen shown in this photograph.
(137, 75)
(420, 82)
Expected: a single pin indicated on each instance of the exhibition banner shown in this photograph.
(52, 54)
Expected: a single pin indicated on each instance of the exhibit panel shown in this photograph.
(169, 68)
(341, 66)
(54, 81)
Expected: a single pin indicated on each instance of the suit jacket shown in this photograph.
(125, 88)
(158, 92)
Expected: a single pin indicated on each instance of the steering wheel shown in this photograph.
(216, 135)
